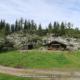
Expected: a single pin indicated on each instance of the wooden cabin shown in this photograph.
(55, 45)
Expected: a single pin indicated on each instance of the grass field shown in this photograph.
(41, 59)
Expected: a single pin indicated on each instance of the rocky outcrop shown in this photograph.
(71, 43)
(21, 40)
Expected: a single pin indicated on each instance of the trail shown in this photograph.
(44, 74)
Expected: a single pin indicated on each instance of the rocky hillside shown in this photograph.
(20, 39)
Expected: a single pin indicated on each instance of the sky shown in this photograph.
(41, 11)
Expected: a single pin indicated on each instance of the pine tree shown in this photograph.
(12, 28)
(16, 26)
(7, 29)
(2, 24)
(62, 29)
(56, 29)
(33, 26)
(21, 24)
(40, 31)
(50, 28)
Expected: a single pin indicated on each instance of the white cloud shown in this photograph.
(42, 11)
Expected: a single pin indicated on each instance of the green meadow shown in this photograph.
(41, 59)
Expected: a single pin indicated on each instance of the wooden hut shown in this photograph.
(55, 45)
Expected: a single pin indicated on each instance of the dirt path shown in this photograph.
(36, 73)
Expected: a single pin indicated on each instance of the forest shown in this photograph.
(30, 27)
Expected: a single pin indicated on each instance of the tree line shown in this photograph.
(30, 27)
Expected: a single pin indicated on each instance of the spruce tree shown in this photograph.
(50, 28)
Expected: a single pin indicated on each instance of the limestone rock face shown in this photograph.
(71, 43)
(20, 39)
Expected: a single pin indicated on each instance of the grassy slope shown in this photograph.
(41, 59)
